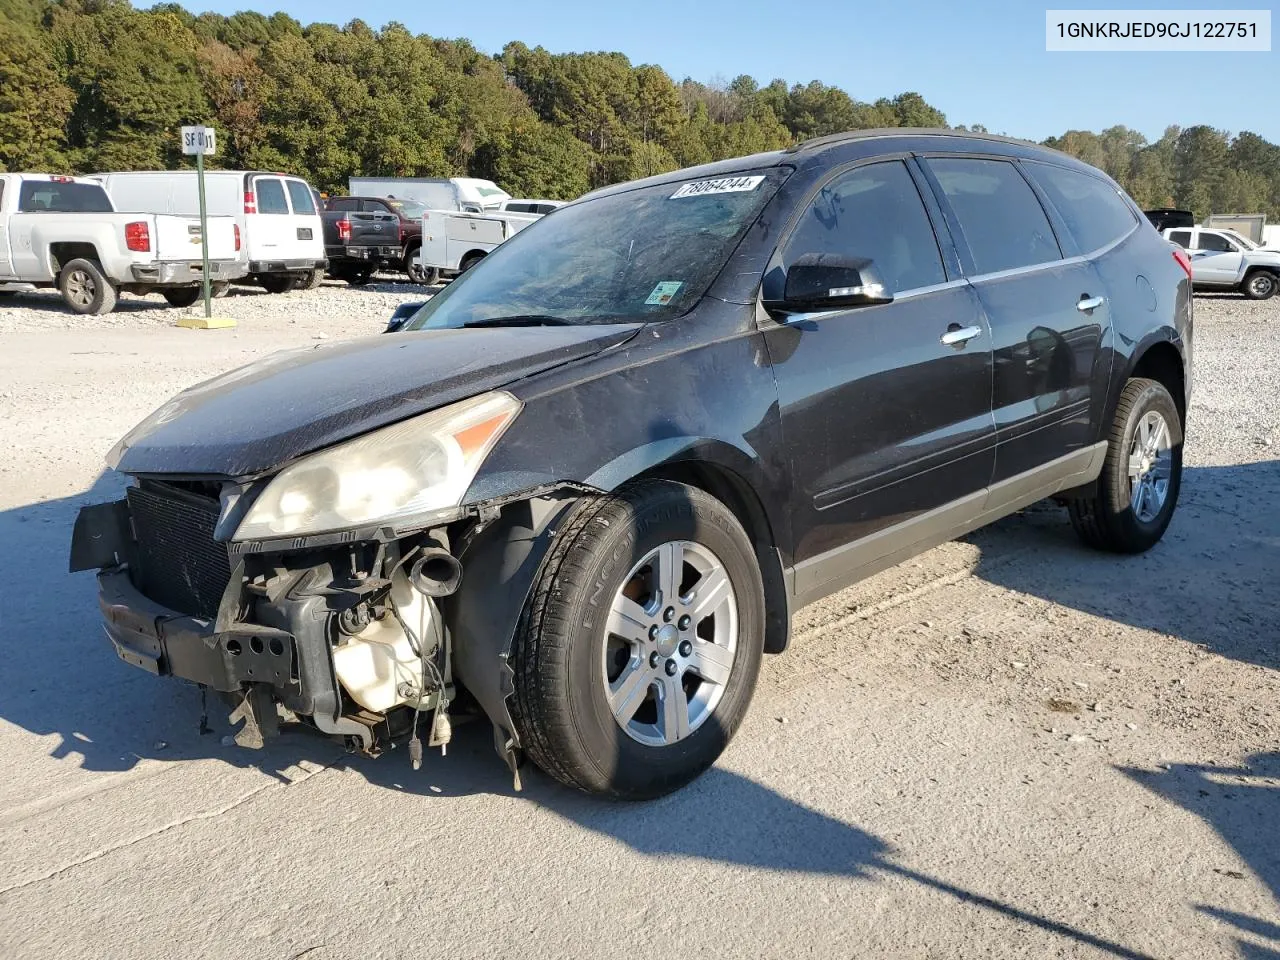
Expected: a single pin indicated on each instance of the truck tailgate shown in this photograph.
(178, 238)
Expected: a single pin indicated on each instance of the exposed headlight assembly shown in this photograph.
(409, 469)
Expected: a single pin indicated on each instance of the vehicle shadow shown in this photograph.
(1243, 805)
(51, 301)
(1212, 581)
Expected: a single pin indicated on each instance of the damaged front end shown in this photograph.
(373, 634)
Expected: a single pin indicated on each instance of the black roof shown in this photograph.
(916, 138)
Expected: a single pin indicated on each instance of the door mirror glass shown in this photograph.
(402, 315)
(817, 281)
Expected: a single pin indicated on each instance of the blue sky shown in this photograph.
(981, 62)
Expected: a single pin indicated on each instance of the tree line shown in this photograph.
(94, 85)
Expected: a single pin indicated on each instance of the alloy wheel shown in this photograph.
(1150, 466)
(1261, 284)
(81, 288)
(669, 643)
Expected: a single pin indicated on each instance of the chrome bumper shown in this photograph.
(185, 272)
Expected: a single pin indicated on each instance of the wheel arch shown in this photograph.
(1161, 360)
(742, 500)
(63, 252)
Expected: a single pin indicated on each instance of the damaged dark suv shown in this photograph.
(583, 490)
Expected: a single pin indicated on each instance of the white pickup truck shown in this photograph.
(1222, 259)
(453, 243)
(64, 232)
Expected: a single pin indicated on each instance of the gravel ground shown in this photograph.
(1008, 747)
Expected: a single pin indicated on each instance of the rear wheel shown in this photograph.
(357, 277)
(469, 261)
(85, 289)
(417, 273)
(278, 282)
(638, 652)
(182, 296)
(220, 289)
(311, 281)
(1141, 477)
(1260, 285)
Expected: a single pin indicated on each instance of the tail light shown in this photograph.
(137, 236)
(344, 230)
(1183, 260)
(236, 227)
(250, 202)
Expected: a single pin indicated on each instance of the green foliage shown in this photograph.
(92, 85)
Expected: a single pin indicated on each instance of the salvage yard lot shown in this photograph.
(1009, 746)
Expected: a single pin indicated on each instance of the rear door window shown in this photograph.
(1093, 210)
(999, 215)
(1181, 237)
(271, 198)
(304, 204)
(873, 211)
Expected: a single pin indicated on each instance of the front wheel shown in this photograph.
(1260, 285)
(86, 289)
(637, 654)
(1141, 476)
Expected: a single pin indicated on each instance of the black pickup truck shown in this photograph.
(358, 242)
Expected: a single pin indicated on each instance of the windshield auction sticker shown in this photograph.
(724, 185)
(1136, 31)
(664, 293)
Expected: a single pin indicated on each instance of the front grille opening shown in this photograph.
(177, 563)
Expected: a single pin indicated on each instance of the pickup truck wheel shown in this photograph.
(220, 289)
(638, 650)
(85, 289)
(1138, 487)
(312, 280)
(417, 273)
(1260, 285)
(182, 296)
(469, 261)
(278, 282)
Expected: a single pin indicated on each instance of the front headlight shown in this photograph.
(408, 469)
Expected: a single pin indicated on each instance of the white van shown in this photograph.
(469, 194)
(283, 238)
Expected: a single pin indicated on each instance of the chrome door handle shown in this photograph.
(959, 336)
(1087, 304)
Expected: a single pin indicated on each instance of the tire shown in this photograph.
(1116, 519)
(1260, 285)
(220, 289)
(427, 276)
(312, 281)
(469, 261)
(278, 282)
(565, 659)
(357, 278)
(183, 296)
(85, 289)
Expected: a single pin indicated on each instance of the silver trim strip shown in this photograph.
(836, 569)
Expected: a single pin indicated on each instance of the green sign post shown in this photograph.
(200, 140)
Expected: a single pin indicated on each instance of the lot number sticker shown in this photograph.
(723, 185)
(664, 293)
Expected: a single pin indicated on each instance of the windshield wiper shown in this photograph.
(521, 320)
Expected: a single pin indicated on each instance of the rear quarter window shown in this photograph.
(1000, 216)
(1093, 210)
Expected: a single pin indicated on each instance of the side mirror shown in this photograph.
(819, 281)
(402, 315)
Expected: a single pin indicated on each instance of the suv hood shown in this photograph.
(262, 415)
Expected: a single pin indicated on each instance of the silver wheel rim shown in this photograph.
(1150, 466)
(670, 643)
(80, 288)
(1261, 284)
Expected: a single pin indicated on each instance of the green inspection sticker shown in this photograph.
(664, 293)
